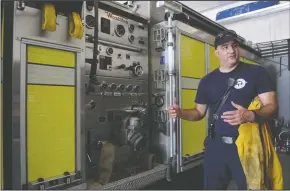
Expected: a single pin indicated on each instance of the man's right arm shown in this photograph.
(194, 114)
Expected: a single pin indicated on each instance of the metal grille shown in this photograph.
(134, 182)
(273, 48)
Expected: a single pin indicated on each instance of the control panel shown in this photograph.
(117, 29)
(113, 94)
(117, 62)
(114, 87)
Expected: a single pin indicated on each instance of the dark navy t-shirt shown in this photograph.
(251, 81)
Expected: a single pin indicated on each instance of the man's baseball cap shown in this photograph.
(225, 36)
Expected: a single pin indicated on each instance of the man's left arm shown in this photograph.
(269, 106)
(267, 94)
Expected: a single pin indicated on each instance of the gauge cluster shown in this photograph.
(117, 62)
(117, 29)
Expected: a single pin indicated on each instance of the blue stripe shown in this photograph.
(245, 9)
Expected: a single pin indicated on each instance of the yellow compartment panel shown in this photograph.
(1, 140)
(193, 133)
(250, 61)
(213, 59)
(242, 59)
(50, 131)
(192, 57)
(50, 56)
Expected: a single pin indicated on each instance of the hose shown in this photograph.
(93, 71)
(285, 131)
(168, 171)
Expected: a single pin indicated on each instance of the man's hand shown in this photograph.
(174, 110)
(239, 116)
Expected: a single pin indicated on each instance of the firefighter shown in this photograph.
(221, 159)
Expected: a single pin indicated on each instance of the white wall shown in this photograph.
(265, 28)
(257, 26)
(282, 81)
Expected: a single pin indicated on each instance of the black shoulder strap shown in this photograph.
(221, 102)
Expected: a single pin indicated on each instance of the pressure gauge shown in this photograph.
(120, 30)
(90, 21)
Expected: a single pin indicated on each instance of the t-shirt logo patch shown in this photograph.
(240, 83)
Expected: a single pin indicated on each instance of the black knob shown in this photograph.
(121, 87)
(90, 5)
(129, 88)
(131, 28)
(122, 66)
(131, 38)
(136, 88)
(91, 105)
(113, 86)
(110, 51)
(104, 86)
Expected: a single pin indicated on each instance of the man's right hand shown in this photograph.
(174, 110)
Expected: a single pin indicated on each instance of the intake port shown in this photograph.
(138, 70)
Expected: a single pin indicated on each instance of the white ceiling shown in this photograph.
(201, 6)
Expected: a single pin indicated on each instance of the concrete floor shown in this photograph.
(193, 179)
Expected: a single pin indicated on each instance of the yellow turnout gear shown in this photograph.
(258, 156)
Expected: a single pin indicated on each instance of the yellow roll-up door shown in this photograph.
(213, 59)
(193, 132)
(192, 57)
(51, 119)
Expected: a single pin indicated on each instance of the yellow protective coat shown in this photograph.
(258, 156)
